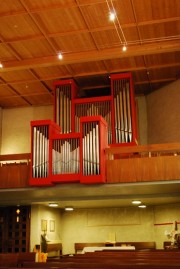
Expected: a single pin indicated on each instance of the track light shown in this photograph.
(112, 16)
(60, 56)
(124, 48)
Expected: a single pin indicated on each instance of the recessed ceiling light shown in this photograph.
(136, 202)
(142, 206)
(53, 204)
(69, 208)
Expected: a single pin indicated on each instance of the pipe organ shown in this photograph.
(71, 148)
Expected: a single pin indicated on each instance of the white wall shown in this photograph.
(16, 131)
(142, 120)
(163, 114)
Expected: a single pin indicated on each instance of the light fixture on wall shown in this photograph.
(53, 204)
(69, 208)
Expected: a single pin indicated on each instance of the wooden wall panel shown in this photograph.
(143, 169)
(14, 175)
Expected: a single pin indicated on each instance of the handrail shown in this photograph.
(15, 157)
(159, 148)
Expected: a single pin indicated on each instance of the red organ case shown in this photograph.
(71, 149)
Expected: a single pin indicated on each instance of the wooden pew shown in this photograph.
(105, 260)
(9, 259)
(25, 257)
(16, 259)
(104, 265)
(98, 261)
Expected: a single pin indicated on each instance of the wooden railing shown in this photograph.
(143, 163)
(14, 170)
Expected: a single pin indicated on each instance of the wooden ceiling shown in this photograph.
(33, 32)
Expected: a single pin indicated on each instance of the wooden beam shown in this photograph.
(90, 56)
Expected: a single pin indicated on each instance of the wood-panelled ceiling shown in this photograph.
(33, 32)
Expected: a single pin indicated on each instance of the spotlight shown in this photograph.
(60, 56)
(124, 48)
(112, 16)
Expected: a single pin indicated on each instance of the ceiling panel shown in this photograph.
(14, 28)
(34, 32)
(33, 48)
(155, 10)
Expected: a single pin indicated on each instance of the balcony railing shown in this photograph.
(143, 163)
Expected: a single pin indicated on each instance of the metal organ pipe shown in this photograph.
(91, 148)
(65, 157)
(122, 108)
(40, 161)
(101, 108)
(63, 108)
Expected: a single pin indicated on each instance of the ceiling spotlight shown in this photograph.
(142, 206)
(136, 202)
(60, 56)
(112, 16)
(124, 48)
(69, 208)
(53, 204)
(1, 65)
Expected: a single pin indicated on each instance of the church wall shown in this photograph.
(16, 131)
(123, 224)
(163, 114)
(40, 213)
